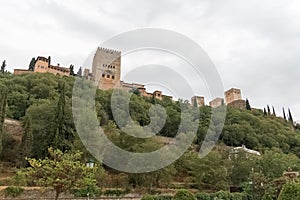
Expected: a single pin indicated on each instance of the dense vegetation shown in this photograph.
(43, 103)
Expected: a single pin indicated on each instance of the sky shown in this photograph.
(255, 45)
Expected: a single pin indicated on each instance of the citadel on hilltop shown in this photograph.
(106, 72)
(43, 65)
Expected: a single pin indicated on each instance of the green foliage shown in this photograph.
(222, 195)
(13, 191)
(2, 70)
(3, 97)
(62, 172)
(290, 191)
(117, 193)
(184, 195)
(248, 107)
(88, 191)
(148, 197)
(32, 64)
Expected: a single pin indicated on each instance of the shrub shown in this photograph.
(117, 193)
(148, 197)
(290, 191)
(203, 196)
(82, 192)
(163, 197)
(13, 191)
(184, 195)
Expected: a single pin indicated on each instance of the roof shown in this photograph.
(244, 148)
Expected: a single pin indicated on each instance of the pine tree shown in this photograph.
(72, 70)
(265, 112)
(79, 73)
(32, 64)
(248, 107)
(269, 110)
(284, 115)
(290, 117)
(195, 102)
(3, 67)
(274, 113)
(3, 98)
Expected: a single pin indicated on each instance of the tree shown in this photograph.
(3, 97)
(290, 191)
(290, 117)
(274, 113)
(63, 136)
(3, 67)
(195, 102)
(269, 110)
(72, 70)
(79, 73)
(265, 112)
(284, 115)
(62, 172)
(32, 64)
(184, 195)
(248, 107)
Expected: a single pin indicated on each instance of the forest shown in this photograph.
(43, 104)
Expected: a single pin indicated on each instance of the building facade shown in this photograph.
(217, 102)
(232, 95)
(106, 68)
(197, 100)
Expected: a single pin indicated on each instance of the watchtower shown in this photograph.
(106, 68)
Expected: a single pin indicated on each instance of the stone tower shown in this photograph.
(106, 68)
(233, 95)
(199, 100)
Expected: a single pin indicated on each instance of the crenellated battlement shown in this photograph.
(111, 51)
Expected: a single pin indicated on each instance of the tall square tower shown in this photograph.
(106, 68)
(233, 95)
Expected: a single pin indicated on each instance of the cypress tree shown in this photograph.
(274, 113)
(269, 110)
(265, 112)
(32, 64)
(72, 70)
(3, 98)
(290, 117)
(79, 73)
(3, 67)
(59, 135)
(248, 107)
(195, 102)
(284, 115)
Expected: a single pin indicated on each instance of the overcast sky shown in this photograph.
(255, 44)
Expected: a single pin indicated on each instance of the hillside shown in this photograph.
(42, 103)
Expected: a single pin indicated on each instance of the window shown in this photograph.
(108, 76)
(113, 77)
(103, 75)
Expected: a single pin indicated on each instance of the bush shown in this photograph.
(203, 196)
(147, 197)
(184, 195)
(82, 192)
(13, 191)
(117, 193)
(163, 197)
(222, 195)
(290, 191)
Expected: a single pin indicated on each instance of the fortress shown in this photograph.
(106, 72)
(43, 65)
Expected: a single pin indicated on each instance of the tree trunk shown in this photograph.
(57, 195)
